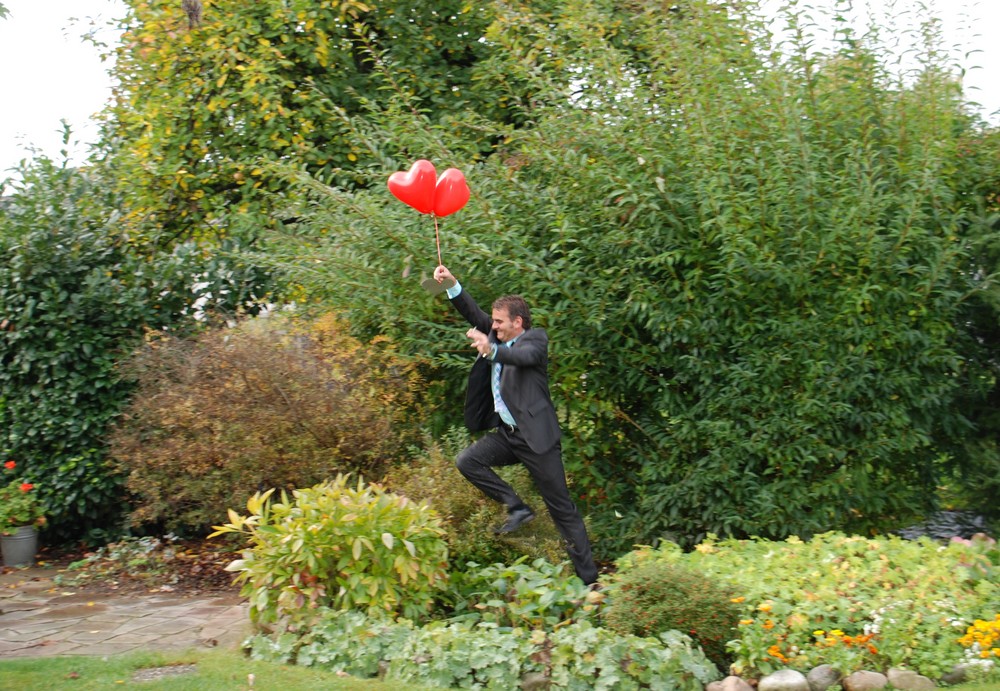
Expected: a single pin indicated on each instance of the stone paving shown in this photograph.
(38, 618)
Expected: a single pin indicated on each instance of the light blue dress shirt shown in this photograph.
(498, 403)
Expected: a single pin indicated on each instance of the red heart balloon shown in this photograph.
(451, 192)
(415, 188)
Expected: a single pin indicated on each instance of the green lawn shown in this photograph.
(219, 669)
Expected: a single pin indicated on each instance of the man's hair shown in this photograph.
(516, 307)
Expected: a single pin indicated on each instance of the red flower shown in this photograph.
(10, 465)
(27, 487)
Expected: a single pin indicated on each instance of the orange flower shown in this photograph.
(768, 624)
(10, 465)
(872, 649)
(775, 652)
(27, 487)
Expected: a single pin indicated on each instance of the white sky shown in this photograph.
(50, 74)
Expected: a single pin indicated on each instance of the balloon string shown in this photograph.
(437, 237)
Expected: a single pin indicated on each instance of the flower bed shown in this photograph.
(852, 602)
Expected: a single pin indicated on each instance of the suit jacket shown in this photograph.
(524, 382)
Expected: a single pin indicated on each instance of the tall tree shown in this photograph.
(202, 105)
(751, 259)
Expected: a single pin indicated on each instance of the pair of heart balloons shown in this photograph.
(424, 191)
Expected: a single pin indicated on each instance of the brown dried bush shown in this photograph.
(275, 402)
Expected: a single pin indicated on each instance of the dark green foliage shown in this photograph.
(73, 298)
(656, 597)
(752, 265)
(976, 482)
(77, 293)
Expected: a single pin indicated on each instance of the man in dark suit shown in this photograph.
(508, 394)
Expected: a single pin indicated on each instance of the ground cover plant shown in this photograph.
(456, 654)
(538, 595)
(836, 599)
(851, 602)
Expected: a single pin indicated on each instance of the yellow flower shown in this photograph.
(764, 607)
(836, 632)
(737, 600)
(746, 622)
(819, 632)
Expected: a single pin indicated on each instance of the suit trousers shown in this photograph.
(506, 447)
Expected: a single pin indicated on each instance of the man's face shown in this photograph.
(507, 329)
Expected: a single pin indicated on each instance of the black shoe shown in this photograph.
(515, 519)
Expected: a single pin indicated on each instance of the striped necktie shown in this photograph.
(498, 403)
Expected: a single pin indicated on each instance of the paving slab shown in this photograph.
(39, 618)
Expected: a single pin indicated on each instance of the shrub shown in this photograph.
(74, 296)
(274, 403)
(655, 597)
(336, 546)
(470, 517)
